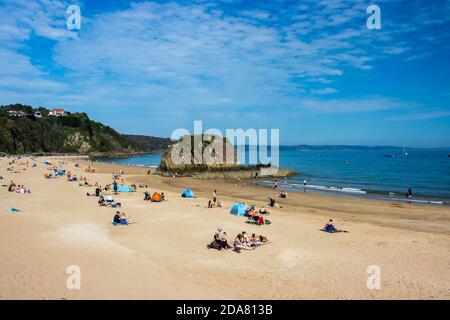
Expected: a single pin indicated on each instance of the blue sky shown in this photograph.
(310, 68)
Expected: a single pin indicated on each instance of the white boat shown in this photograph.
(404, 154)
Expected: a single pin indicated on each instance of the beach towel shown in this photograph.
(124, 189)
(332, 230)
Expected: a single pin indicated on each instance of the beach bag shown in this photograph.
(123, 221)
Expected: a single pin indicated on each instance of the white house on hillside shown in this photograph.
(57, 112)
(16, 113)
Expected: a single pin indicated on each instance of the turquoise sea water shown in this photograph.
(358, 172)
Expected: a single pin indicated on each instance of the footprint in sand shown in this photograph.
(291, 258)
(87, 235)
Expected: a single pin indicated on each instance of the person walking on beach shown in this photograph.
(409, 193)
(304, 185)
(215, 196)
(115, 187)
(275, 184)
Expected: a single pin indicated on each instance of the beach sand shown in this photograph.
(164, 255)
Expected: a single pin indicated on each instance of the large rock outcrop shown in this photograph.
(210, 157)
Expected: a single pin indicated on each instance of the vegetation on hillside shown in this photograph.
(24, 129)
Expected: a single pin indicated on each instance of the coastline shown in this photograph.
(349, 192)
(378, 211)
(164, 256)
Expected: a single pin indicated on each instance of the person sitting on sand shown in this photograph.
(97, 191)
(259, 219)
(251, 212)
(263, 210)
(283, 194)
(246, 238)
(124, 219)
(116, 218)
(220, 240)
(329, 227)
(240, 244)
(147, 196)
(12, 186)
(163, 197)
(102, 201)
(273, 203)
(258, 239)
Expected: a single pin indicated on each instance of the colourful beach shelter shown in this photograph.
(187, 193)
(238, 209)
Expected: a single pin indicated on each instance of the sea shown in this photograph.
(381, 173)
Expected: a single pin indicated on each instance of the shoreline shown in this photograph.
(254, 193)
(332, 190)
(164, 255)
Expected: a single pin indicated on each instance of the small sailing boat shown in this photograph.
(404, 154)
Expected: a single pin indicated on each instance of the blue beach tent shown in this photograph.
(238, 209)
(187, 193)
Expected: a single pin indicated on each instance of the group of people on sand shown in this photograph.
(12, 187)
(257, 216)
(90, 170)
(241, 242)
(214, 203)
(122, 218)
(108, 201)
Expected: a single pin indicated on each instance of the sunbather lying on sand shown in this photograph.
(258, 239)
(258, 219)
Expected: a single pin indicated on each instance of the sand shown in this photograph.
(164, 255)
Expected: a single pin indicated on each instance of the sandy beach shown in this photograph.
(165, 255)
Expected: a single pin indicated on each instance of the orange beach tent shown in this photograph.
(156, 197)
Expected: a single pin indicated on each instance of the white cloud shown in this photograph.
(195, 59)
(323, 91)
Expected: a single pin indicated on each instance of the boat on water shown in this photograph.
(389, 155)
(404, 154)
